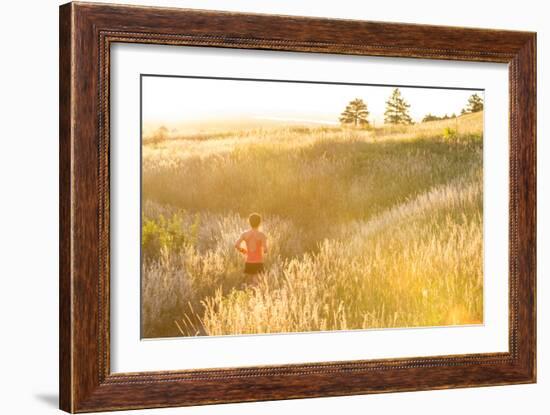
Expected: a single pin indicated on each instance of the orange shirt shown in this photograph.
(256, 245)
(254, 251)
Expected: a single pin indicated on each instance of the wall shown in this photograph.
(29, 190)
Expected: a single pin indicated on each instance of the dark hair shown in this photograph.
(254, 219)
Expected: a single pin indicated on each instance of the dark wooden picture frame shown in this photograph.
(86, 33)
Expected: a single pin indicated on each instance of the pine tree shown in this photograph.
(475, 104)
(430, 117)
(397, 109)
(356, 113)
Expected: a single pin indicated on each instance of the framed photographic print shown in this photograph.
(260, 207)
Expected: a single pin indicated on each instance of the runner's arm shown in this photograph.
(238, 243)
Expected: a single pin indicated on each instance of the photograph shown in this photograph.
(258, 203)
(289, 206)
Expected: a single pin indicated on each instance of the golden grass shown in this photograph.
(367, 229)
(464, 125)
(414, 270)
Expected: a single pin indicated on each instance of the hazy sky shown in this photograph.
(181, 100)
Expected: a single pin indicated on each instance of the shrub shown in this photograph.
(449, 134)
(167, 234)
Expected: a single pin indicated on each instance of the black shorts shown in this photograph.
(253, 268)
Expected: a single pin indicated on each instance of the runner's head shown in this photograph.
(254, 219)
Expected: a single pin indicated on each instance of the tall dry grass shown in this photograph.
(366, 229)
(417, 265)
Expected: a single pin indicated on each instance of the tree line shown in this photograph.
(356, 112)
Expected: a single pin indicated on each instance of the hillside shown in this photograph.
(367, 228)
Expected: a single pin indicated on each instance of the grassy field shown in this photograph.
(367, 228)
